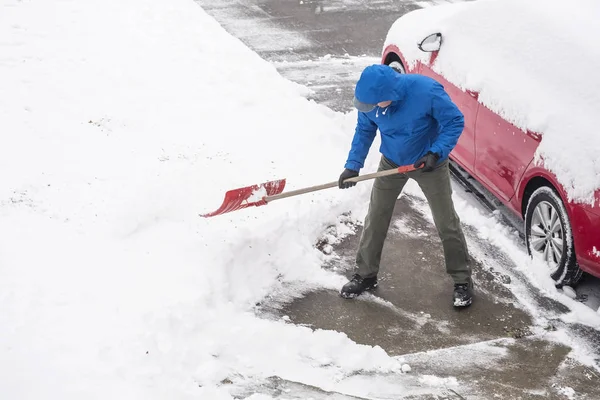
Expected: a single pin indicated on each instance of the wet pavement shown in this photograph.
(321, 44)
(495, 349)
(411, 310)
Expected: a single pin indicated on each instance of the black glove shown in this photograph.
(428, 161)
(348, 173)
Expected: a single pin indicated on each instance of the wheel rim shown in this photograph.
(547, 235)
(397, 65)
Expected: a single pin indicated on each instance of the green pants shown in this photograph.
(438, 191)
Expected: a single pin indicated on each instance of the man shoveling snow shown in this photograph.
(420, 125)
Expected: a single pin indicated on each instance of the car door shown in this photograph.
(464, 152)
(502, 152)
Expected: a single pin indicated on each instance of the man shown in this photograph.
(420, 125)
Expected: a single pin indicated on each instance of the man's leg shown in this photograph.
(438, 190)
(384, 194)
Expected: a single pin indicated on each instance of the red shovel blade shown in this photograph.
(249, 196)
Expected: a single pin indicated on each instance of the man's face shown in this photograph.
(384, 104)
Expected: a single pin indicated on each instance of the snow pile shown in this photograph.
(534, 63)
(122, 121)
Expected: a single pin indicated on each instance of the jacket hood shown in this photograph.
(379, 83)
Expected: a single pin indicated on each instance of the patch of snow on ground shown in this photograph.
(568, 392)
(333, 70)
(405, 227)
(420, 319)
(487, 355)
(433, 380)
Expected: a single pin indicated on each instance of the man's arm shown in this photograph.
(363, 138)
(450, 118)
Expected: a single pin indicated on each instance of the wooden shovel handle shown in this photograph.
(400, 170)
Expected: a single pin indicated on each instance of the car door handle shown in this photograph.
(534, 135)
(473, 94)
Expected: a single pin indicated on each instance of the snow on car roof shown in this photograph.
(534, 62)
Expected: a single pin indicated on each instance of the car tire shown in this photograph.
(549, 237)
(397, 66)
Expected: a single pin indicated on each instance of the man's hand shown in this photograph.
(428, 161)
(348, 173)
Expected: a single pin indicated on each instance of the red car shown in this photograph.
(499, 155)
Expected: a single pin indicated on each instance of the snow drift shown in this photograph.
(121, 122)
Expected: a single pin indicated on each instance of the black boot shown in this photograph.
(358, 285)
(463, 294)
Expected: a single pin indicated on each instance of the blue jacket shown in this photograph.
(421, 118)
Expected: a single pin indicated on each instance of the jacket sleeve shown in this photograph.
(450, 118)
(363, 139)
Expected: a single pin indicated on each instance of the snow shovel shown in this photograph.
(260, 195)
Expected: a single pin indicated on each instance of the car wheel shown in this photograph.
(549, 237)
(397, 65)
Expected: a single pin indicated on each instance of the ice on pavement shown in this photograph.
(507, 51)
(568, 392)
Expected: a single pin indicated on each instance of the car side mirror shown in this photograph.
(431, 43)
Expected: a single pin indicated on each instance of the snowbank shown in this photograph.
(121, 122)
(533, 62)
